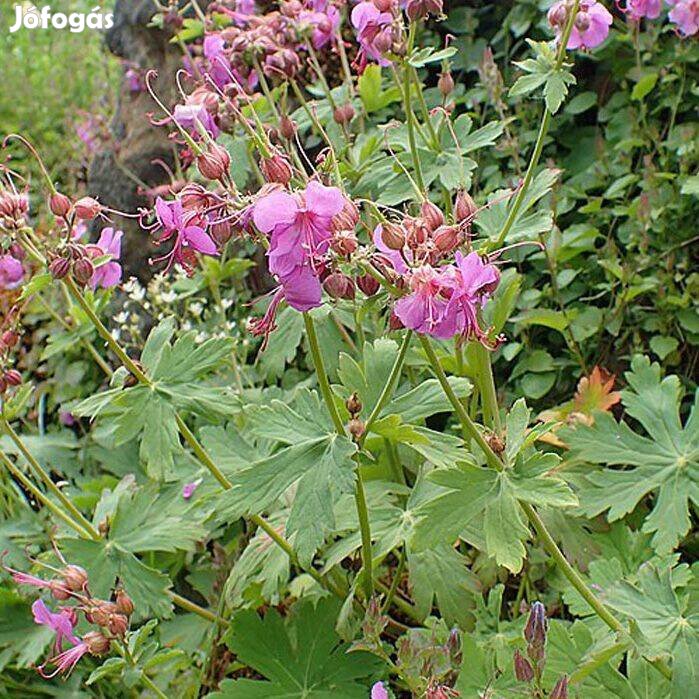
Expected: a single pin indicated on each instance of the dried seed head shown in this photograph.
(97, 643)
(392, 236)
(118, 624)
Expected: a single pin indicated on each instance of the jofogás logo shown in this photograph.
(31, 17)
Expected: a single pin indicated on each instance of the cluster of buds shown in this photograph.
(71, 583)
(77, 260)
(214, 163)
(531, 668)
(344, 113)
(276, 169)
(13, 208)
(355, 426)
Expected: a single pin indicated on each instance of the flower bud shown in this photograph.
(344, 243)
(464, 207)
(124, 603)
(446, 238)
(431, 215)
(348, 218)
(101, 613)
(214, 163)
(384, 40)
(83, 269)
(276, 169)
(558, 16)
(221, 232)
(287, 128)
(339, 286)
(535, 632)
(445, 84)
(17, 251)
(118, 624)
(87, 208)
(383, 5)
(12, 377)
(560, 690)
(344, 113)
(395, 323)
(523, 670)
(59, 590)
(10, 338)
(392, 236)
(97, 643)
(356, 428)
(368, 284)
(582, 21)
(59, 267)
(59, 204)
(354, 405)
(75, 578)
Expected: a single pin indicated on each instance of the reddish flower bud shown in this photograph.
(83, 269)
(339, 286)
(395, 323)
(446, 238)
(392, 236)
(97, 643)
(102, 612)
(523, 669)
(59, 590)
(383, 5)
(431, 215)
(87, 208)
(10, 338)
(445, 84)
(276, 169)
(464, 207)
(560, 690)
(59, 267)
(59, 204)
(12, 377)
(118, 624)
(348, 218)
(368, 284)
(75, 578)
(535, 632)
(343, 114)
(221, 232)
(287, 128)
(344, 243)
(124, 603)
(214, 163)
(384, 40)
(356, 428)
(582, 21)
(353, 405)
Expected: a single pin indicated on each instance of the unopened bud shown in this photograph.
(464, 207)
(59, 590)
(560, 690)
(276, 169)
(124, 603)
(17, 251)
(75, 578)
(431, 215)
(558, 16)
(535, 632)
(10, 338)
(59, 268)
(343, 114)
(583, 21)
(395, 323)
(339, 286)
(118, 624)
(12, 377)
(344, 243)
(446, 238)
(287, 128)
(368, 284)
(383, 5)
(392, 236)
(445, 84)
(83, 269)
(214, 163)
(59, 204)
(356, 428)
(523, 669)
(87, 208)
(384, 40)
(97, 643)
(348, 218)
(354, 405)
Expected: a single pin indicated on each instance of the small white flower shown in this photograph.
(196, 308)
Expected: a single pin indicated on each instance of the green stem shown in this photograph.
(491, 410)
(389, 387)
(468, 425)
(265, 88)
(541, 137)
(359, 494)
(598, 660)
(409, 116)
(425, 110)
(41, 497)
(190, 606)
(397, 575)
(39, 470)
(201, 453)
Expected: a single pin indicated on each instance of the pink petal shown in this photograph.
(324, 201)
(302, 289)
(198, 239)
(164, 213)
(274, 209)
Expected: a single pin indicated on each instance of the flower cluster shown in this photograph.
(71, 583)
(590, 26)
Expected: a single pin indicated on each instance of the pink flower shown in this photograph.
(61, 623)
(11, 272)
(637, 9)
(393, 257)
(192, 117)
(324, 18)
(374, 33)
(378, 691)
(189, 237)
(65, 661)
(685, 14)
(590, 27)
(300, 226)
(109, 273)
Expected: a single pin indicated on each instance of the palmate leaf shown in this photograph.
(148, 413)
(300, 657)
(665, 463)
(469, 492)
(315, 459)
